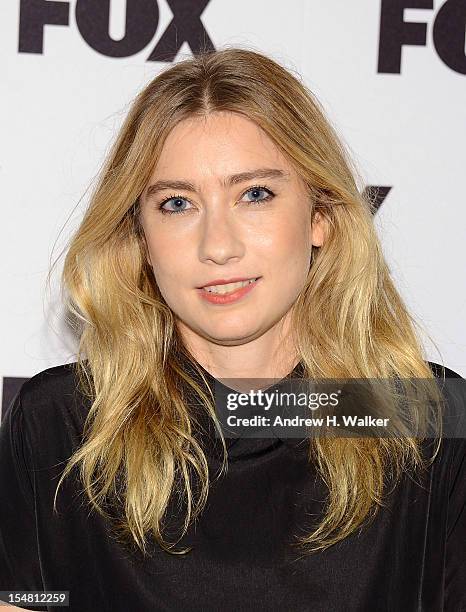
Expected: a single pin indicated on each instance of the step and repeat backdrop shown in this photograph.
(390, 75)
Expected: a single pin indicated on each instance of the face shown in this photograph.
(224, 203)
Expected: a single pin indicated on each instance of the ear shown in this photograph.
(318, 229)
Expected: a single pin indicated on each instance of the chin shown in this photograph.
(229, 335)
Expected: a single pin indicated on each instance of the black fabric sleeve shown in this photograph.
(19, 559)
(455, 579)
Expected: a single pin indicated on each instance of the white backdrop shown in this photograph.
(399, 104)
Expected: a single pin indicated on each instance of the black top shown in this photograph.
(410, 558)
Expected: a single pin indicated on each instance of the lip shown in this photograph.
(234, 296)
(225, 281)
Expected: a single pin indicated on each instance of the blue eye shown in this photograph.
(177, 200)
(256, 191)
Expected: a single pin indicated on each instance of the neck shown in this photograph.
(271, 355)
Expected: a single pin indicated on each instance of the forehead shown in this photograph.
(219, 143)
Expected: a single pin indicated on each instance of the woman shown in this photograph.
(226, 238)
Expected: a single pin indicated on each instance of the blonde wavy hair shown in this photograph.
(349, 321)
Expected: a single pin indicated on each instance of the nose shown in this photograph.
(220, 239)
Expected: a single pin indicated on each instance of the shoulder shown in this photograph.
(453, 390)
(52, 381)
(50, 405)
(453, 447)
(51, 388)
(441, 371)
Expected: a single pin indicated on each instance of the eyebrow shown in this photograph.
(233, 179)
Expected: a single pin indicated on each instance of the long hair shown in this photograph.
(349, 321)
